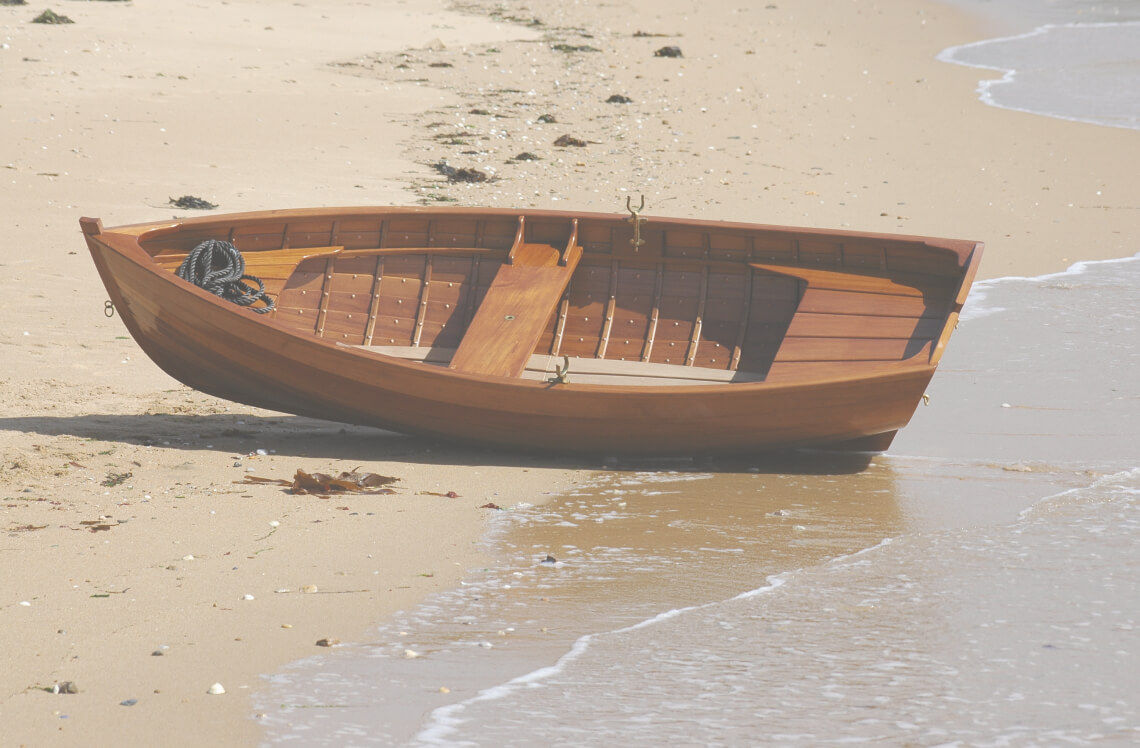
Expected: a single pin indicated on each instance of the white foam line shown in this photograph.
(1028, 511)
(1010, 74)
(444, 722)
(979, 288)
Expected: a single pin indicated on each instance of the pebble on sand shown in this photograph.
(328, 642)
(216, 690)
(410, 654)
(669, 51)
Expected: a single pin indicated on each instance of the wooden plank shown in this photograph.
(514, 313)
(810, 325)
(651, 332)
(695, 340)
(257, 260)
(745, 314)
(608, 322)
(851, 349)
(374, 306)
(326, 288)
(898, 284)
(560, 328)
(824, 301)
(421, 311)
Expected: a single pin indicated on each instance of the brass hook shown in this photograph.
(636, 220)
(561, 373)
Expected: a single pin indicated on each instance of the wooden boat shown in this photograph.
(682, 336)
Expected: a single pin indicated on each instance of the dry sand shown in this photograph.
(813, 113)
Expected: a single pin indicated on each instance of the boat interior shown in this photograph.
(621, 301)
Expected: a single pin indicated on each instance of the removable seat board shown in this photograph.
(515, 311)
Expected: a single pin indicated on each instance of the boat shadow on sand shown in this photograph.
(296, 436)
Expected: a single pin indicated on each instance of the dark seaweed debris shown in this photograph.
(525, 156)
(570, 140)
(619, 99)
(546, 118)
(323, 484)
(50, 16)
(668, 52)
(574, 48)
(460, 175)
(115, 479)
(190, 202)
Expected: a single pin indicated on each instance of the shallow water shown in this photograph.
(976, 584)
(1068, 59)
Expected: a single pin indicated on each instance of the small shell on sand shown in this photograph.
(310, 588)
(216, 689)
(410, 654)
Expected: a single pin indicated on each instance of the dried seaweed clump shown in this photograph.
(570, 140)
(461, 174)
(50, 16)
(568, 48)
(190, 202)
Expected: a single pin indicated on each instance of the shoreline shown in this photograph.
(83, 403)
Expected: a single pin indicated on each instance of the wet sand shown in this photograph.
(783, 115)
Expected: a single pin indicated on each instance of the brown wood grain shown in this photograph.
(514, 312)
(820, 336)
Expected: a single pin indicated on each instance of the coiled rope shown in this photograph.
(218, 267)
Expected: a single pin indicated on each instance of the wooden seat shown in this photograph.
(514, 313)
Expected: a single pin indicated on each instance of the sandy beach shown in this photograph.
(126, 530)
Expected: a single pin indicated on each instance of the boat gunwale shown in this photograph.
(133, 236)
(158, 229)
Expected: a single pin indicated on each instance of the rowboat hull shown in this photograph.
(232, 353)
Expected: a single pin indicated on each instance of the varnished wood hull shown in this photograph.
(232, 353)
